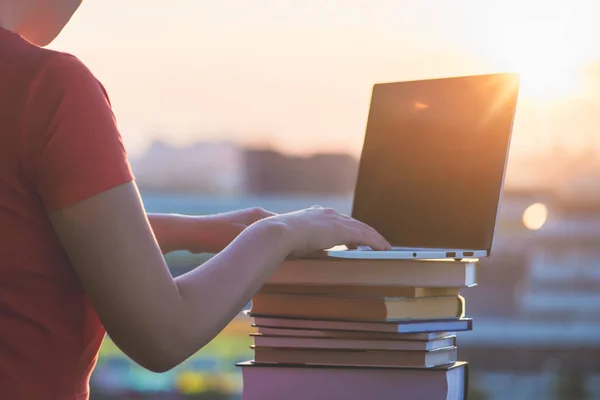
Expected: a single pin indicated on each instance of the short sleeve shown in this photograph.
(74, 148)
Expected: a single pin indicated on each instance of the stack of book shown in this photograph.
(357, 329)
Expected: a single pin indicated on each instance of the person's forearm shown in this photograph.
(214, 293)
(172, 231)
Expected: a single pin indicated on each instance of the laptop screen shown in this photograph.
(433, 161)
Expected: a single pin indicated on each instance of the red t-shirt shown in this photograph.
(59, 145)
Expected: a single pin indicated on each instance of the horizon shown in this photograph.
(299, 77)
(554, 170)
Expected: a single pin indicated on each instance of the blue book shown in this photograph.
(402, 326)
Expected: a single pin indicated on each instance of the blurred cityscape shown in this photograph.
(536, 308)
(226, 169)
(229, 169)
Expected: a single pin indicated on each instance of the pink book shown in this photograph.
(297, 382)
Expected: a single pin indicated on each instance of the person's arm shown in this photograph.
(156, 320)
(172, 231)
(75, 159)
(159, 321)
(202, 233)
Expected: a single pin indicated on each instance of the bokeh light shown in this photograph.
(535, 216)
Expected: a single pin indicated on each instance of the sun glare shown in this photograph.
(545, 82)
(549, 67)
(547, 76)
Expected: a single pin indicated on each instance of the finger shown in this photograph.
(362, 226)
(365, 238)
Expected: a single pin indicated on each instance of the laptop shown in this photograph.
(432, 167)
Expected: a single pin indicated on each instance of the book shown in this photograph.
(300, 382)
(382, 358)
(357, 308)
(406, 326)
(413, 273)
(350, 344)
(361, 290)
(311, 333)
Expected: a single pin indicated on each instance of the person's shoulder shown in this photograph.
(64, 68)
(20, 53)
(63, 89)
(32, 67)
(22, 62)
(63, 75)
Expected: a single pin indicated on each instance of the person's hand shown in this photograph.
(212, 233)
(318, 228)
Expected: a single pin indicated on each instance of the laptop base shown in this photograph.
(400, 253)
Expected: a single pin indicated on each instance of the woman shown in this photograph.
(78, 253)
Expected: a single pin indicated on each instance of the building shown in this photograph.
(271, 173)
(537, 308)
(203, 168)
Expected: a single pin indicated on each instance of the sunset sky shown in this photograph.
(298, 74)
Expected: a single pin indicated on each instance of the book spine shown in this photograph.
(466, 383)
